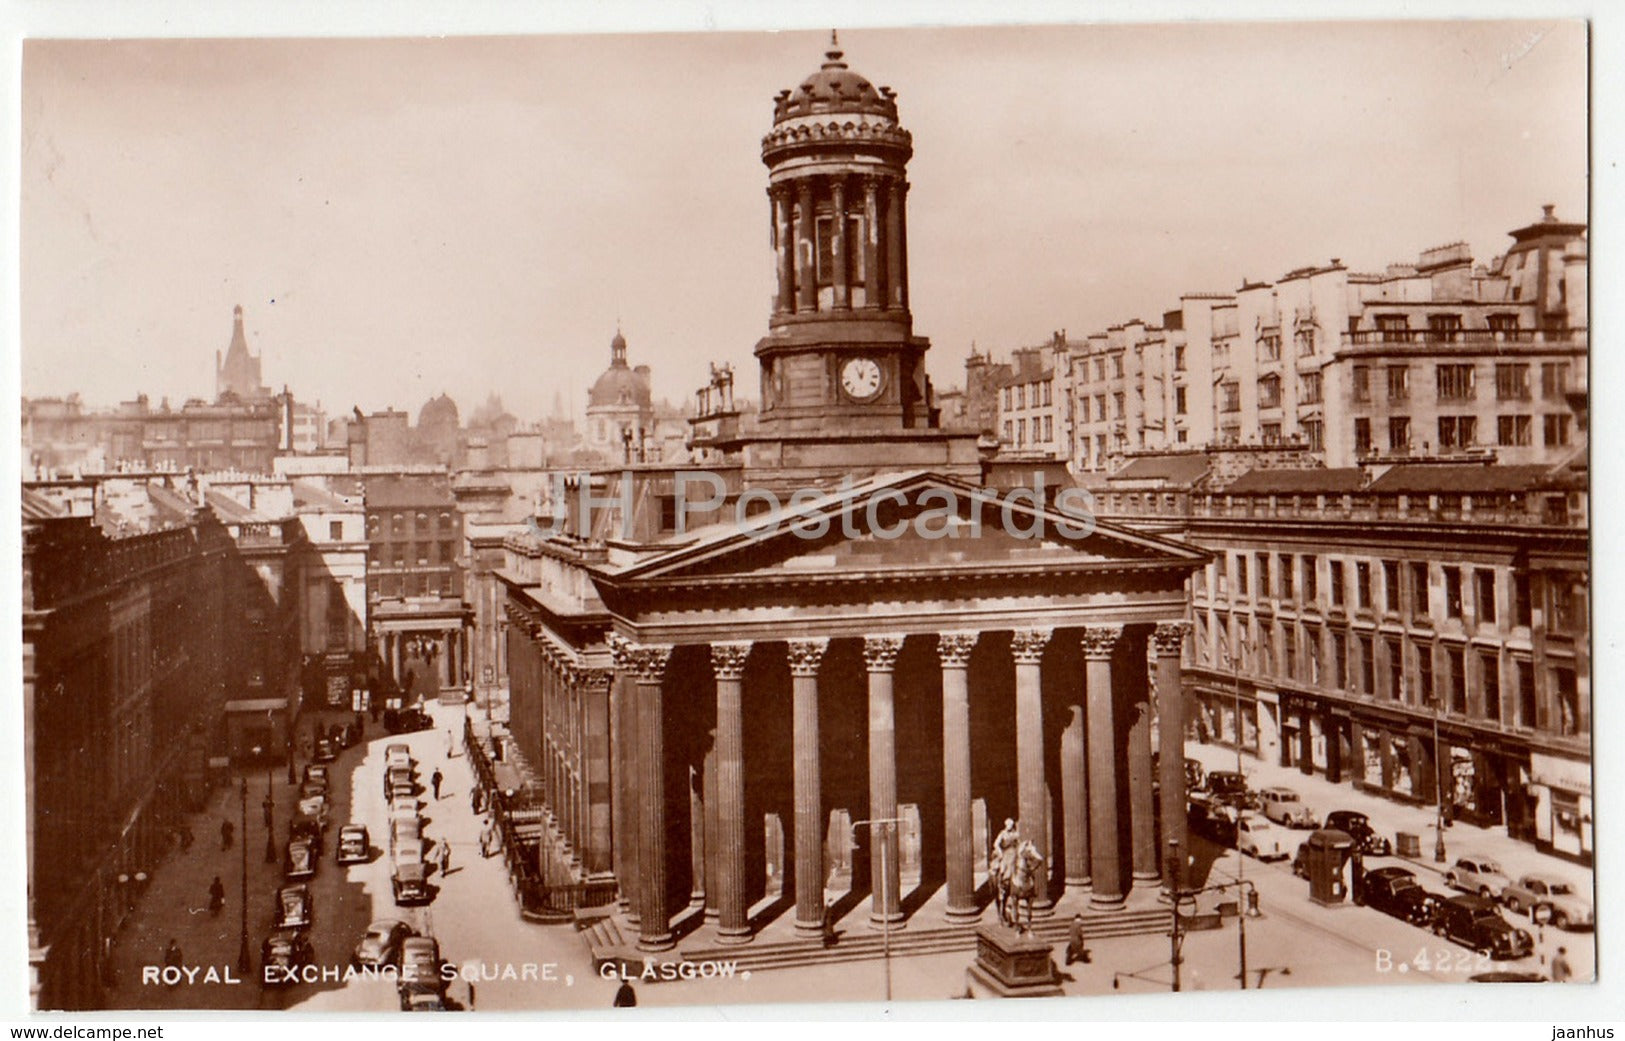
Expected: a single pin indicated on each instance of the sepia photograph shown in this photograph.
(852, 515)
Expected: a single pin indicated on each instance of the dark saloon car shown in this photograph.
(326, 750)
(282, 955)
(1358, 826)
(1230, 789)
(408, 881)
(299, 861)
(407, 720)
(1395, 891)
(381, 944)
(1476, 922)
(292, 908)
(1214, 823)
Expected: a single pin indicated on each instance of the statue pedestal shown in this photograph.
(1010, 964)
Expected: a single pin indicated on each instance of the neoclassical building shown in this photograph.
(725, 682)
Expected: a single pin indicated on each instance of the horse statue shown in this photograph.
(1016, 882)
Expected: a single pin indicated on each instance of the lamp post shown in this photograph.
(1241, 858)
(881, 842)
(270, 818)
(242, 949)
(1439, 855)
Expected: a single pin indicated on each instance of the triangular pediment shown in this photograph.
(917, 523)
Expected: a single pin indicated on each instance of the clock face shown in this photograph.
(860, 378)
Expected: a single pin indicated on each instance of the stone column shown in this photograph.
(871, 242)
(628, 818)
(954, 649)
(733, 921)
(596, 856)
(784, 253)
(708, 831)
(649, 663)
(1027, 648)
(1075, 793)
(894, 245)
(1168, 640)
(806, 247)
(902, 244)
(805, 657)
(1106, 875)
(1141, 799)
(838, 244)
(880, 657)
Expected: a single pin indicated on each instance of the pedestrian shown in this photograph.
(1076, 949)
(445, 857)
(1561, 970)
(217, 897)
(266, 808)
(434, 781)
(830, 935)
(485, 841)
(227, 830)
(450, 746)
(626, 997)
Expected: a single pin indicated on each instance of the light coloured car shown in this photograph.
(1550, 897)
(398, 755)
(381, 944)
(354, 843)
(1257, 837)
(1476, 874)
(1283, 806)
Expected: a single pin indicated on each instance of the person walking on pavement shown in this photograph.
(830, 935)
(1076, 948)
(217, 897)
(227, 830)
(1561, 970)
(451, 748)
(434, 781)
(445, 857)
(626, 997)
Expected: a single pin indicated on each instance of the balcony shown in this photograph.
(1487, 510)
(1465, 337)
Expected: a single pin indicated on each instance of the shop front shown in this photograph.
(1560, 791)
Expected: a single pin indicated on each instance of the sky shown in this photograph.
(405, 217)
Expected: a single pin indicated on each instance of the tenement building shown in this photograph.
(831, 661)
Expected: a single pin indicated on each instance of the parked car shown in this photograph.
(1476, 922)
(407, 880)
(418, 997)
(292, 909)
(397, 754)
(1214, 823)
(281, 953)
(1195, 774)
(299, 860)
(355, 845)
(1358, 827)
(1300, 861)
(398, 779)
(420, 962)
(313, 789)
(1476, 874)
(1563, 907)
(1257, 837)
(1283, 806)
(307, 829)
(317, 772)
(380, 945)
(407, 720)
(405, 833)
(326, 752)
(403, 804)
(1395, 891)
(1229, 788)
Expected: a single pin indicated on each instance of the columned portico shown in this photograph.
(1168, 640)
(1136, 703)
(649, 668)
(1027, 648)
(728, 663)
(954, 651)
(805, 658)
(880, 657)
(1099, 647)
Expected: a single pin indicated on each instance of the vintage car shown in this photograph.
(407, 720)
(280, 954)
(1228, 788)
(307, 829)
(292, 908)
(407, 880)
(1476, 922)
(380, 945)
(397, 754)
(313, 788)
(326, 750)
(1548, 898)
(1476, 874)
(1195, 774)
(298, 860)
(420, 962)
(1214, 823)
(405, 833)
(354, 844)
(419, 997)
(1257, 837)
(1395, 891)
(1358, 827)
(1283, 806)
(398, 781)
(317, 772)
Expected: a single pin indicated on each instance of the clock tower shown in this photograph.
(841, 367)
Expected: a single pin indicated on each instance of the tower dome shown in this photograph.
(439, 412)
(620, 384)
(835, 89)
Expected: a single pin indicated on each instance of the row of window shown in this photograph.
(1511, 431)
(404, 554)
(1459, 382)
(1100, 368)
(421, 584)
(1043, 431)
(1020, 395)
(399, 522)
(1100, 415)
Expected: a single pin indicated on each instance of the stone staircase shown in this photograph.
(609, 945)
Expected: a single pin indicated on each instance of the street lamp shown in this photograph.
(270, 819)
(1439, 855)
(1241, 858)
(242, 949)
(882, 842)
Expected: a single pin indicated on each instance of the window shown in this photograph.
(1269, 392)
(1556, 430)
(1314, 434)
(1393, 327)
(1424, 673)
(1021, 432)
(1362, 436)
(1310, 593)
(1271, 433)
(1452, 592)
(1009, 432)
(1485, 581)
(1008, 398)
(1526, 693)
(1399, 434)
(1340, 659)
(1289, 651)
(1305, 338)
(1311, 646)
(1568, 701)
(1243, 588)
(1563, 616)
(448, 549)
(1502, 323)
(1100, 370)
(1554, 380)
(1231, 397)
(1362, 584)
(1367, 665)
(1270, 346)
(1284, 568)
(1309, 388)
(1446, 327)
(1179, 357)
(1455, 382)
(1100, 407)
(335, 531)
(1399, 383)
(1049, 426)
(1263, 563)
(1362, 383)
(1335, 574)
(1117, 404)
(1512, 383)
(1489, 670)
(397, 524)
(1520, 598)
(1083, 410)
(1513, 431)
(1117, 366)
(1396, 667)
(1419, 590)
(1021, 395)
(1048, 389)
(1390, 585)
(1179, 401)
(1458, 680)
(1457, 432)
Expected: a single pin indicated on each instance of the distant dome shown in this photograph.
(834, 88)
(620, 384)
(439, 412)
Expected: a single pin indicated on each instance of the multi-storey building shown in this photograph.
(1436, 357)
(1032, 419)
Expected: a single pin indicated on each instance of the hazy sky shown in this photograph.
(405, 217)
